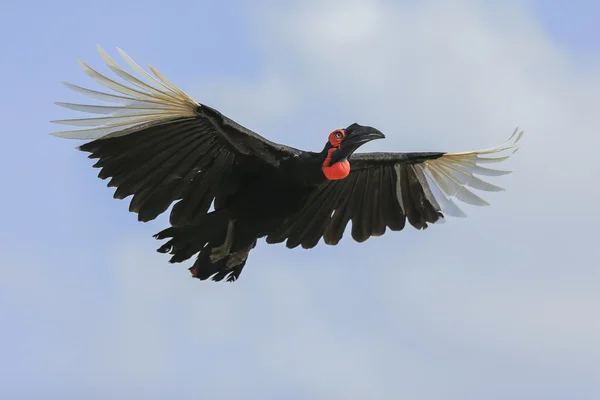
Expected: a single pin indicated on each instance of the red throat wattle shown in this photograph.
(340, 169)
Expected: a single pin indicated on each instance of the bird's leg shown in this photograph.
(239, 256)
(219, 253)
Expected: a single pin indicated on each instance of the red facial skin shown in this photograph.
(340, 169)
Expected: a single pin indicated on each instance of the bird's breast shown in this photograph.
(336, 171)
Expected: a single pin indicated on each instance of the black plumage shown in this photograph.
(187, 153)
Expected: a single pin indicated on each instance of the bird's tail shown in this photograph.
(223, 249)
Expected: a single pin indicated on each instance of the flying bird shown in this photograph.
(232, 186)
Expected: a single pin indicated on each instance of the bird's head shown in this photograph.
(341, 144)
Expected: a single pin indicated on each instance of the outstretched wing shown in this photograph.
(160, 145)
(384, 190)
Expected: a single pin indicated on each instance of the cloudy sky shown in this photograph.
(503, 304)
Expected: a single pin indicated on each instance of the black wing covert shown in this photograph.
(385, 190)
(159, 145)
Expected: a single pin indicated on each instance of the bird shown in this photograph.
(229, 186)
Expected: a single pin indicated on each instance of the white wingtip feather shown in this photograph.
(141, 103)
(450, 174)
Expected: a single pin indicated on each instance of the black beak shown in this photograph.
(357, 135)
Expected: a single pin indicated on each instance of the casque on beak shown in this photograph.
(357, 135)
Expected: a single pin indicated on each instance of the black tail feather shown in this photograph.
(184, 241)
(209, 233)
(228, 268)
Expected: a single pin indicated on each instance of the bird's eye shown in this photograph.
(335, 137)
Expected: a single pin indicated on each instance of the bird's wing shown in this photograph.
(387, 189)
(160, 145)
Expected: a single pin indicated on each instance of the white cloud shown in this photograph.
(500, 303)
(518, 277)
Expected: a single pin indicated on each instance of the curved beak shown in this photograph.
(357, 135)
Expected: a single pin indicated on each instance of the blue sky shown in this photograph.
(500, 305)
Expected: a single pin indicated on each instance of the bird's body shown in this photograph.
(160, 147)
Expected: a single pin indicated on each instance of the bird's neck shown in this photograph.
(337, 170)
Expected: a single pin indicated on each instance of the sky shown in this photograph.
(503, 304)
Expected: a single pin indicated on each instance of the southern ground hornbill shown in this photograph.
(160, 146)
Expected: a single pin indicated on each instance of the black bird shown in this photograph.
(160, 146)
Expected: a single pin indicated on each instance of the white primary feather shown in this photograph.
(142, 72)
(448, 176)
(141, 103)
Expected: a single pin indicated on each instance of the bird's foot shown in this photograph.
(219, 253)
